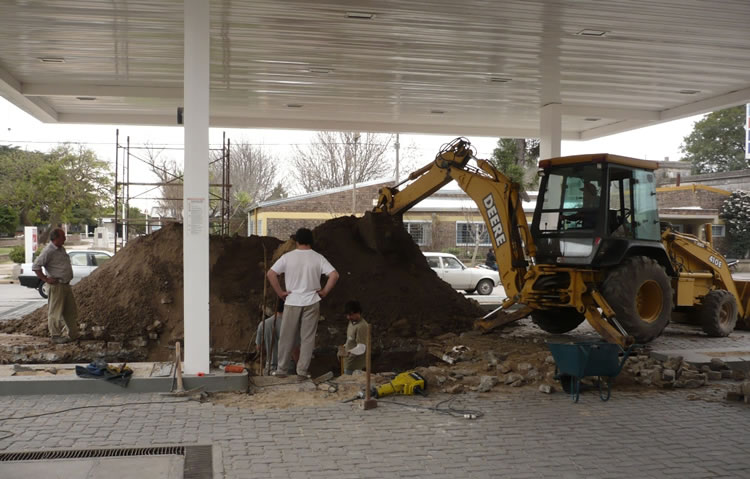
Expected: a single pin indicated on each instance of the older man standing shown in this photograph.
(302, 269)
(62, 312)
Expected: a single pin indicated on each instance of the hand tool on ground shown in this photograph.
(180, 391)
(407, 384)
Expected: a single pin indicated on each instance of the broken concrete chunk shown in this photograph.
(546, 389)
(512, 378)
(714, 375)
(486, 383)
(668, 375)
(454, 389)
(673, 362)
(503, 368)
(717, 364)
(523, 367)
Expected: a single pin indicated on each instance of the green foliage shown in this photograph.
(517, 159)
(8, 219)
(716, 143)
(735, 211)
(68, 184)
(17, 254)
(278, 192)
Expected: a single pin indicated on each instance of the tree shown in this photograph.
(341, 158)
(171, 178)
(253, 174)
(735, 211)
(8, 219)
(517, 159)
(716, 143)
(67, 185)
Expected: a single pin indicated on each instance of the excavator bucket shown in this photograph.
(377, 231)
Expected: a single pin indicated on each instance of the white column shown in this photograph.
(550, 130)
(195, 190)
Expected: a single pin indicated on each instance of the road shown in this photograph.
(17, 301)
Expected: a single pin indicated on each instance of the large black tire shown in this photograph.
(43, 289)
(640, 293)
(718, 313)
(557, 321)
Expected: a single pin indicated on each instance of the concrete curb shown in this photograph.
(217, 381)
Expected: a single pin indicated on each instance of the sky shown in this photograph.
(17, 128)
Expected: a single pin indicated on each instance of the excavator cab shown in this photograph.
(593, 210)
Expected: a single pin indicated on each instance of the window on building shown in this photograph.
(420, 231)
(717, 231)
(469, 233)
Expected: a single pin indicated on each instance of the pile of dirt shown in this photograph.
(136, 298)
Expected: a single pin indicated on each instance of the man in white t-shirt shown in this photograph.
(302, 269)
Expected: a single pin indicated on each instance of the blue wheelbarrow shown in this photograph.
(574, 361)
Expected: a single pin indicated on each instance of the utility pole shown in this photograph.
(354, 175)
(398, 148)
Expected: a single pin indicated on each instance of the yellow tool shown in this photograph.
(408, 383)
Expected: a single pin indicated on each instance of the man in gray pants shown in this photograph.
(302, 269)
(62, 312)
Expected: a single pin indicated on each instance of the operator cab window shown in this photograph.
(572, 199)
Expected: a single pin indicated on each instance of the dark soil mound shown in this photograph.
(137, 297)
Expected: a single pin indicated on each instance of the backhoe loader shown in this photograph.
(595, 249)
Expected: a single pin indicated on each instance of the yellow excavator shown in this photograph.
(594, 251)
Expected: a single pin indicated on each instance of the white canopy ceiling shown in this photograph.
(474, 67)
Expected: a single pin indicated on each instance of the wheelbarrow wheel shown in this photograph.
(608, 381)
(640, 293)
(557, 321)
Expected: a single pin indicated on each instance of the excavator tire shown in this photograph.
(640, 293)
(718, 313)
(557, 321)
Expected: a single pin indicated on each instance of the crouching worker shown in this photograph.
(267, 337)
(353, 352)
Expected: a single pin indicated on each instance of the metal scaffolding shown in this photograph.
(219, 193)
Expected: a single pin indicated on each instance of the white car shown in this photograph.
(84, 262)
(451, 270)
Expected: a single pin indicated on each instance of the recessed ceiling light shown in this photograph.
(321, 70)
(294, 105)
(86, 98)
(51, 59)
(360, 15)
(591, 119)
(437, 112)
(689, 92)
(499, 80)
(590, 32)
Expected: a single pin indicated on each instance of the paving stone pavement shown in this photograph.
(521, 435)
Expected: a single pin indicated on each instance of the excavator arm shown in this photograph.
(497, 197)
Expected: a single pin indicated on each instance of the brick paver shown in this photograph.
(526, 434)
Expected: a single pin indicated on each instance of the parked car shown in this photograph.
(451, 270)
(84, 262)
